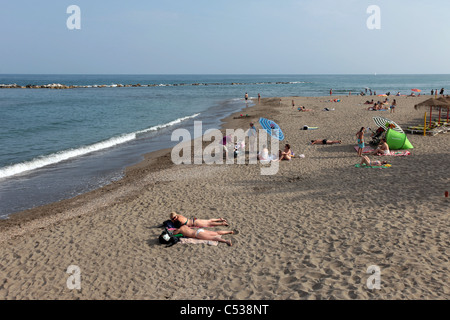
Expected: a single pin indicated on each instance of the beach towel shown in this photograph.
(393, 153)
(371, 109)
(367, 149)
(198, 241)
(309, 128)
(373, 167)
(397, 153)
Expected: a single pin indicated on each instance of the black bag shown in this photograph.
(168, 238)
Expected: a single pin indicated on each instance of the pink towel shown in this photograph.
(198, 241)
(394, 153)
(367, 149)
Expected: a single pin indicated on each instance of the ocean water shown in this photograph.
(56, 144)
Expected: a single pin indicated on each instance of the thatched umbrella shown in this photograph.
(437, 104)
(447, 101)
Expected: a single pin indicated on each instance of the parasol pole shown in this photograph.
(431, 108)
(425, 125)
(439, 121)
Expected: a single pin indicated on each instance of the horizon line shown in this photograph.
(227, 74)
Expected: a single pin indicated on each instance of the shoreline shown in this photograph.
(311, 231)
(26, 221)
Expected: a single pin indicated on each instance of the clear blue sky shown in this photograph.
(225, 37)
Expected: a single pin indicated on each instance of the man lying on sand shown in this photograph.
(180, 220)
(203, 234)
(325, 141)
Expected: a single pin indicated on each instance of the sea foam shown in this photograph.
(57, 157)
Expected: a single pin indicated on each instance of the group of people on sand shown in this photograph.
(382, 149)
(377, 106)
(194, 228)
(300, 108)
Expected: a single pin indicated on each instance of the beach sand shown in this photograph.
(309, 232)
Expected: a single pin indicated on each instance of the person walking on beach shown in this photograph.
(360, 137)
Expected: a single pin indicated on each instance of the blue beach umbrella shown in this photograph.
(271, 128)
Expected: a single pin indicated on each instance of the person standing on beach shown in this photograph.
(259, 98)
(442, 91)
(246, 97)
(360, 137)
(331, 92)
(432, 92)
(252, 140)
(394, 104)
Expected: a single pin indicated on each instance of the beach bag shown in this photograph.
(168, 238)
(169, 224)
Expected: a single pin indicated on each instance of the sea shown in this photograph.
(57, 144)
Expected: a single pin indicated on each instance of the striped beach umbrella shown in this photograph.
(271, 128)
(387, 124)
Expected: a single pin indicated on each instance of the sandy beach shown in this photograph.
(309, 232)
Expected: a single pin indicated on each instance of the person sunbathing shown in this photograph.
(203, 234)
(366, 161)
(325, 141)
(180, 220)
(286, 154)
(264, 155)
(302, 108)
(383, 148)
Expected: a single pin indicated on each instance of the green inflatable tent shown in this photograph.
(397, 140)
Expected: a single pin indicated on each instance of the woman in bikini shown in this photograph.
(203, 234)
(383, 148)
(286, 154)
(366, 161)
(360, 137)
(180, 220)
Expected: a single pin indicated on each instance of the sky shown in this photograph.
(225, 37)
